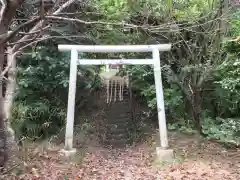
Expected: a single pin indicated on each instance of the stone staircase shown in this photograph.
(118, 118)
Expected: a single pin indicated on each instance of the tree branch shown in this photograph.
(64, 6)
(32, 39)
(175, 79)
(25, 41)
(89, 22)
(40, 23)
(9, 65)
(8, 10)
(3, 9)
(34, 32)
(37, 40)
(13, 33)
(235, 39)
(37, 28)
(34, 42)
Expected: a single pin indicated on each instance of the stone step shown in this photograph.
(117, 118)
(118, 131)
(118, 110)
(117, 143)
(118, 107)
(118, 114)
(117, 125)
(120, 122)
(121, 127)
(119, 102)
(117, 136)
(110, 138)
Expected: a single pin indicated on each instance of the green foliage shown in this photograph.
(37, 120)
(223, 130)
(39, 107)
(143, 83)
(195, 54)
(226, 102)
(229, 72)
(235, 23)
(196, 63)
(41, 100)
(227, 128)
(160, 9)
(113, 9)
(228, 78)
(182, 125)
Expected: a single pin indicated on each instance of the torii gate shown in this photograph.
(155, 61)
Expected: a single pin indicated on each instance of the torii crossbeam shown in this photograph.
(155, 61)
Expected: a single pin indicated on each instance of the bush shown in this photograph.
(143, 83)
(222, 130)
(37, 119)
(41, 101)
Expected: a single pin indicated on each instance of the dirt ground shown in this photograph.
(195, 159)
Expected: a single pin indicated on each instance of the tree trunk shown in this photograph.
(196, 107)
(3, 151)
(11, 85)
(8, 11)
(12, 147)
(8, 145)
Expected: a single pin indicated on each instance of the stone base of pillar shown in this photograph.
(164, 154)
(68, 153)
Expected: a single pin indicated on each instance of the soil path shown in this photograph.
(195, 160)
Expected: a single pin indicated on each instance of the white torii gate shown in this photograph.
(75, 61)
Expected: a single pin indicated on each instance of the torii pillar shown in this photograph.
(163, 152)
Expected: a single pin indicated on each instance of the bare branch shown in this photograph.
(3, 9)
(13, 33)
(34, 32)
(79, 13)
(37, 40)
(40, 24)
(73, 20)
(9, 65)
(31, 33)
(235, 39)
(4, 35)
(64, 6)
(89, 22)
(8, 10)
(20, 42)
